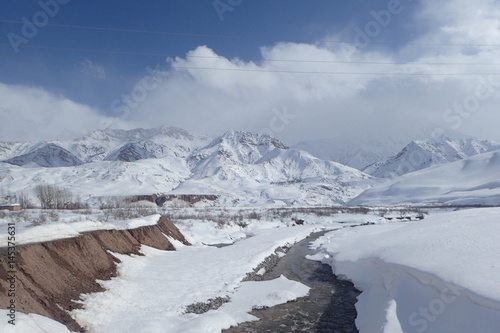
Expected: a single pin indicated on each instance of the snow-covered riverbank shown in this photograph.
(437, 275)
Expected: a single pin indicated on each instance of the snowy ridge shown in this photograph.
(49, 155)
(241, 167)
(249, 168)
(421, 154)
(135, 151)
(100, 144)
(471, 181)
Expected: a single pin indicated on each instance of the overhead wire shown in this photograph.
(257, 60)
(187, 34)
(262, 60)
(267, 70)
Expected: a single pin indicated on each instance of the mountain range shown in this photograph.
(241, 168)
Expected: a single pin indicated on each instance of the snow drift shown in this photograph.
(471, 181)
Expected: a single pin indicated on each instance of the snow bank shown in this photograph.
(31, 323)
(436, 275)
(53, 231)
(152, 292)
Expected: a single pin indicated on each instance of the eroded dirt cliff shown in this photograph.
(51, 275)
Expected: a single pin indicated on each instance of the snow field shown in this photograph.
(151, 292)
(436, 275)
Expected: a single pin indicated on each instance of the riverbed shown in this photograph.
(329, 307)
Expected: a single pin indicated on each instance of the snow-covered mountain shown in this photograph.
(48, 155)
(233, 147)
(109, 143)
(134, 151)
(247, 167)
(421, 154)
(138, 143)
(240, 167)
(471, 181)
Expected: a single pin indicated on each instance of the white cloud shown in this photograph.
(209, 93)
(30, 113)
(245, 94)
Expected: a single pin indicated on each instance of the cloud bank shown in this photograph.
(30, 113)
(445, 77)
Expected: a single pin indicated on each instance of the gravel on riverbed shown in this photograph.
(211, 304)
(257, 274)
(268, 264)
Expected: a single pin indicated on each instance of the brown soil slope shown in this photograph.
(51, 275)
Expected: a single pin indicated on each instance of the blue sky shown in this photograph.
(94, 54)
(53, 58)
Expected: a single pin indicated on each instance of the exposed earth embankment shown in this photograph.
(51, 275)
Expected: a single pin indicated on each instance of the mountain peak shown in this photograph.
(248, 138)
(420, 154)
(48, 155)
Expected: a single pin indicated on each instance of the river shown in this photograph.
(329, 307)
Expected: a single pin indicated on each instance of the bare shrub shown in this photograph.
(254, 216)
(25, 202)
(54, 197)
(41, 219)
(53, 215)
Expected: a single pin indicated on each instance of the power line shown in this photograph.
(79, 61)
(332, 73)
(261, 59)
(171, 33)
(185, 34)
(272, 70)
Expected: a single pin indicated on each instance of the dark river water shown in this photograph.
(329, 307)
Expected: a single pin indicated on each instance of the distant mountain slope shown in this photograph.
(100, 144)
(158, 142)
(421, 154)
(354, 152)
(103, 178)
(134, 151)
(49, 155)
(473, 180)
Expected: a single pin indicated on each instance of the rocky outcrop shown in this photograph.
(51, 275)
(189, 198)
(161, 199)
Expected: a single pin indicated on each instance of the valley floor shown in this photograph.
(435, 275)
